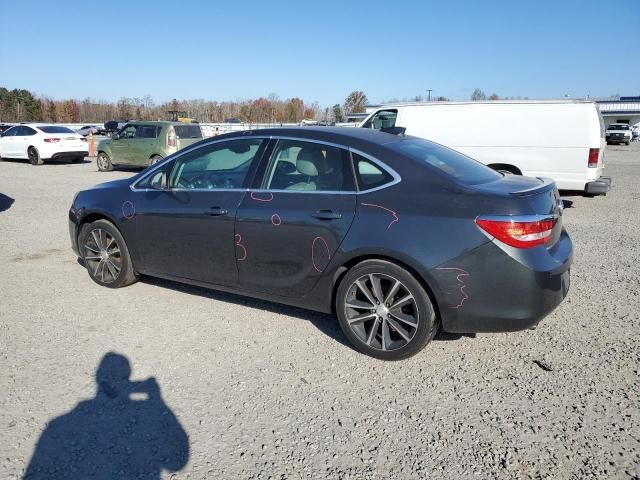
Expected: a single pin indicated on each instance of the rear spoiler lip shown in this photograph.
(547, 184)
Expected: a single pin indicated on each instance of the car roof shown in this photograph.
(158, 122)
(349, 136)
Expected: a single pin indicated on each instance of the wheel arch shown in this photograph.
(505, 166)
(352, 262)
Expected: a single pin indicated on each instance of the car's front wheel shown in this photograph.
(105, 255)
(384, 311)
(104, 162)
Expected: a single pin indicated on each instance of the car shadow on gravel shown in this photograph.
(5, 202)
(126, 431)
(326, 323)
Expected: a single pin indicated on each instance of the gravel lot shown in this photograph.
(267, 391)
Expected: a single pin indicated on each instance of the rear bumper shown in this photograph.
(500, 289)
(72, 154)
(598, 187)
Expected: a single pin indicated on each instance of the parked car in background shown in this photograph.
(396, 235)
(561, 140)
(619, 133)
(113, 126)
(145, 143)
(84, 131)
(38, 143)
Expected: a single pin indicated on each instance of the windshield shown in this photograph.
(55, 129)
(618, 127)
(462, 168)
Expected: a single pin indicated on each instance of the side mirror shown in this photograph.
(115, 136)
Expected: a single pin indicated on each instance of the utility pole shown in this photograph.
(429, 90)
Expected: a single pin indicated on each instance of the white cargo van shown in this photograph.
(562, 140)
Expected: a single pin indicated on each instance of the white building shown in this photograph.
(622, 110)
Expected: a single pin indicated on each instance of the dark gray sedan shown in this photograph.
(396, 235)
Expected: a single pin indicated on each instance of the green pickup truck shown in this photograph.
(145, 143)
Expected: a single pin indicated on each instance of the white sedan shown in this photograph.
(38, 143)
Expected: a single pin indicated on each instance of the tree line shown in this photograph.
(21, 105)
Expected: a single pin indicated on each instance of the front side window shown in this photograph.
(218, 166)
(307, 166)
(12, 132)
(382, 119)
(129, 131)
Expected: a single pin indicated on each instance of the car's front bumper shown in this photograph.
(501, 289)
(598, 187)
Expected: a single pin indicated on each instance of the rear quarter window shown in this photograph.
(456, 165)
(188, 131)
(56, 129)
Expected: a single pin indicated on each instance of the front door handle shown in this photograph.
(326, 215)
(217, 211)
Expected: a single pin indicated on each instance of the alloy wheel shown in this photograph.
(381, 311)
(102, 255)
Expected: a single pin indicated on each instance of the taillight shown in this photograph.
(520, 233)
(51, 140)
(171, 138)
(593, 157)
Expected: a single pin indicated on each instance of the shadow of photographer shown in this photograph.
(126, 431)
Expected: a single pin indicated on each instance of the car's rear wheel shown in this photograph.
(34, 156)
(104, 162)
(105, 255)
(155, 159)
(384, 311)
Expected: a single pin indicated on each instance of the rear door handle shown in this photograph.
(326, 215)
(217, 211)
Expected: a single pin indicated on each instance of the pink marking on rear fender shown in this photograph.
(276, 221)
(392, 212)
(461, 283)
(313, 253)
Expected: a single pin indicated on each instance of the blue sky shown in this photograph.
(319, 50)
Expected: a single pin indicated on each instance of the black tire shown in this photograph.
(116, 269)
(155, 159)
(362, 334)
(104, 162)
(34, 156)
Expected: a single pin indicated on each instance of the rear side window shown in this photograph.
(26, 131)
(147, 131)
(56, 129)
(462, 168)
(188, 131)
(368, 174)
(308, 166)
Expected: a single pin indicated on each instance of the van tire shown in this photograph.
(505, 168)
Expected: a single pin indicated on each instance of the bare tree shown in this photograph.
(478, 95)
(356, 102)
